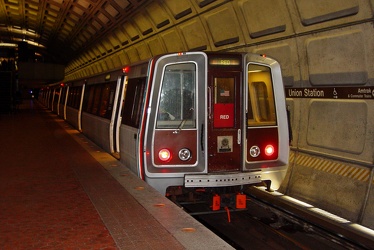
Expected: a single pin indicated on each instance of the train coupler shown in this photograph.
(268, 185)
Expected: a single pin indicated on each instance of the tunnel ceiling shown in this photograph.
(59, 30)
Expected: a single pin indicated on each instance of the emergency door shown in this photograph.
(224, 123)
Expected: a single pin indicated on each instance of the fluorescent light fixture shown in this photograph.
(329, 215)
(298, 202)
(8, 45)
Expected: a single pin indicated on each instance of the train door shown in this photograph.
(81, 93)
(66, 100)
(224, 118)
(58, 103)
(116, 118)
(57, 100)
(48, 104)
(174, 139)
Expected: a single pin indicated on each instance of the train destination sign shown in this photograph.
(224, 61)
(332, 93)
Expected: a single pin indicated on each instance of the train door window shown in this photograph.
(224, 99)
(71, 100)
(90, 98)
(133, 102)
(96, 101)
(63, 94)
(78, 96)
(261, 107)
(177, 105)
(71, 97)
(107, 97)
(75, 94)
(57, 94)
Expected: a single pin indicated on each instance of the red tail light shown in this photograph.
(269, 150)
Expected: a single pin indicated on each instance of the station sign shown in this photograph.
(331, 93)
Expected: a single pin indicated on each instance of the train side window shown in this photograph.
(261, 107)
(177, 104)
(131, 111)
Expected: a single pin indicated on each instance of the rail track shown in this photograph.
(261, 224)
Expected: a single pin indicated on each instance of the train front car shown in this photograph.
(214, 120)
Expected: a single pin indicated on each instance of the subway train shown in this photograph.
(185, 121)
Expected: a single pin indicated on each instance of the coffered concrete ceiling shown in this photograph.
(59, 30)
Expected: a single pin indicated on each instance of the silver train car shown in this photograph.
(188, 120)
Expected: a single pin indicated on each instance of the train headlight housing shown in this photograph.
(164, 155)
(184, 154)
(269, 150)
(254, 151)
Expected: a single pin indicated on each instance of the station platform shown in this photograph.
(58, 190)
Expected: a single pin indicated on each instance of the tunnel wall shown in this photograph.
(326, 51)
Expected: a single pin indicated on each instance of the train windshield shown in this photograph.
(261, 107)
(177, 105)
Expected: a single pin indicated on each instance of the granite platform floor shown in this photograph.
(47, 184)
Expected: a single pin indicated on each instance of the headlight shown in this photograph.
(184, 154)
(254, 151)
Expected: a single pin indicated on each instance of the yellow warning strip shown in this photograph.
(332, 167)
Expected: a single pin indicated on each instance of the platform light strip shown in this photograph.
(332, 167)
(324, 213)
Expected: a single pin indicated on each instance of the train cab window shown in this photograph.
(261, 108)
(177, 105)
